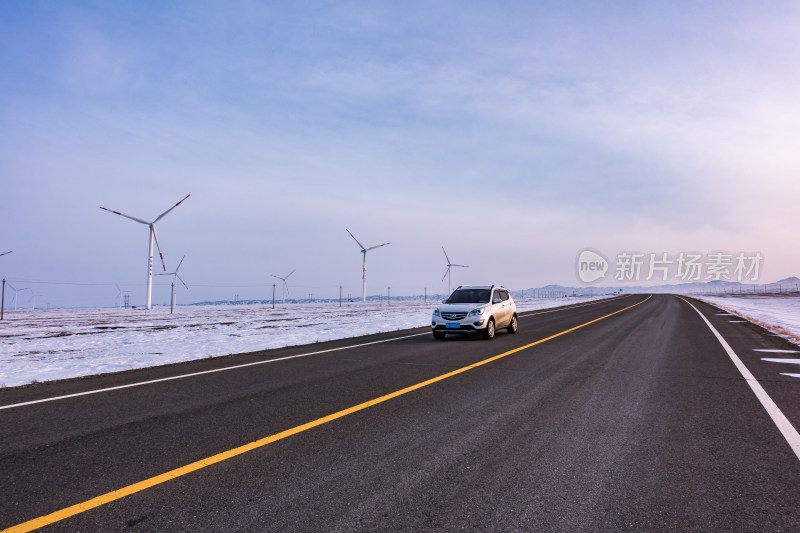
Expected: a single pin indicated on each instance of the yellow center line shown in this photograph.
(103, 499)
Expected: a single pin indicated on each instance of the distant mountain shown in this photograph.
(790, 284)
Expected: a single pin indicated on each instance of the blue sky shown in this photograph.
(514, 134)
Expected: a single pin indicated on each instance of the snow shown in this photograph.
(57, 344)
(779, 314)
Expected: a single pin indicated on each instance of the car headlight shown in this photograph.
(477, 311)
(436, 312)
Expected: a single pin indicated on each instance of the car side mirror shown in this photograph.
(497, 301)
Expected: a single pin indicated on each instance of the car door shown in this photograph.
(496, 308)
(502, 316)
(509, 307)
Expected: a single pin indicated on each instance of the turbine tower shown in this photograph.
(153, 235)
(285, 289)
(364, 264)
(447, 272)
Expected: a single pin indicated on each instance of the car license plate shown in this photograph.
(451, 325)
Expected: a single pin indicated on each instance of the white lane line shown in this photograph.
(769, 350)
(150, 382)
(791, 375)
(737, 321)
(725, 314)
(790, 361)
(784, 426)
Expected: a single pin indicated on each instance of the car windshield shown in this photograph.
(470, 296)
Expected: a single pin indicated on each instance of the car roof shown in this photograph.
(481, 287)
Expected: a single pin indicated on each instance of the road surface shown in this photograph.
(628, 414)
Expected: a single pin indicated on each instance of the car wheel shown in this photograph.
(512, 327)
(488, 333)
(438, 335)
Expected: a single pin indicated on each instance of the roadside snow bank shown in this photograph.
(779, 314)
(56, 344)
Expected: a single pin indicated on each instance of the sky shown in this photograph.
(514, 134)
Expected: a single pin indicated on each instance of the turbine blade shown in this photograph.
(162, 215)
(445, 273)
(274, 276)
(4, 253)
(139, 220)
(155, 234)
(179, 264)
(445, 256)
(289, 274)
(373, 247)
(465, 266)
(184, 283)
(354, 238)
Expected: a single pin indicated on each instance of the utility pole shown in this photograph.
(340, 295)
(426, 294)
(388, 296)
(273, 296)
(3, 300)
(172, 298)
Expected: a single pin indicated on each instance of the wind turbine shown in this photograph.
(153, 235)
(33, 294)
(15, 294)
(120, 294)
(175, 278)
(285, 289)
(364, 264)
(447, 272)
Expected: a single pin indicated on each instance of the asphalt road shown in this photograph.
(638, 421)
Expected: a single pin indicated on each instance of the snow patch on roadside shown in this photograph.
(778, 314)
(66, 343)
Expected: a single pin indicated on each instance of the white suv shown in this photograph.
(475, 310)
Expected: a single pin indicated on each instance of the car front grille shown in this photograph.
(454, 315)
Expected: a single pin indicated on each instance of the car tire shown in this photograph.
(438, 335)
(488, 333)
(513, 326)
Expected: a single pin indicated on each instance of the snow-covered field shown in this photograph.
(57, 344)
(779, 314)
